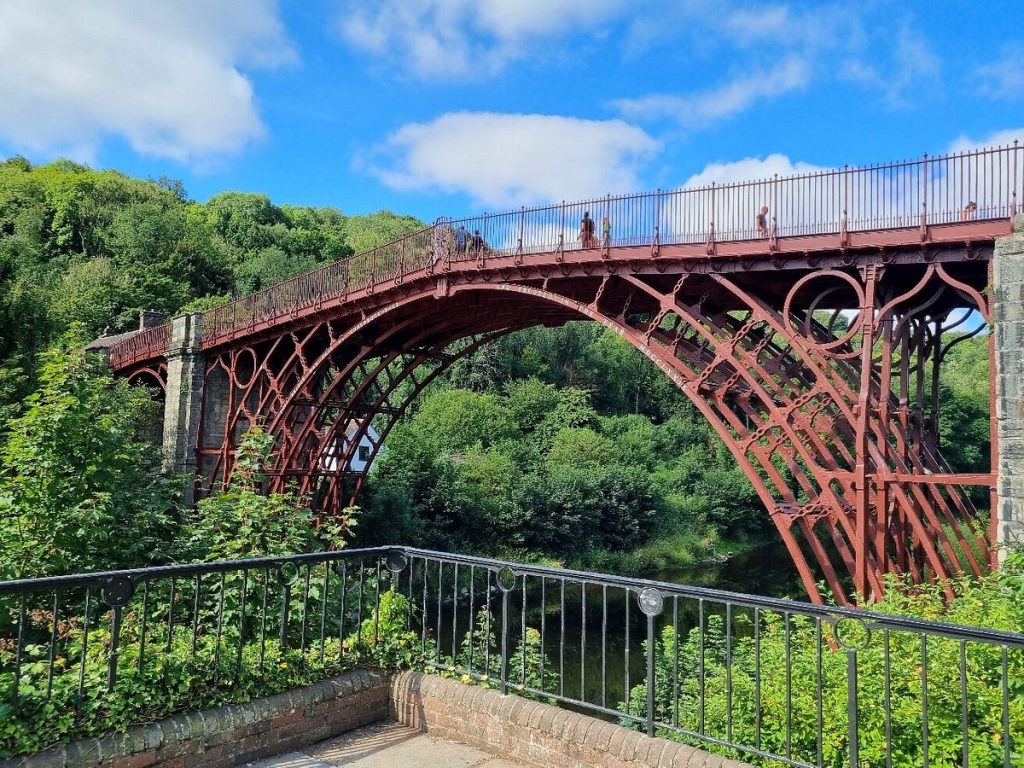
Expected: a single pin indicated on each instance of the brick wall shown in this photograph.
(235, 733)
(531, 732)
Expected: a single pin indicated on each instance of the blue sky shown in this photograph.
(445, 107)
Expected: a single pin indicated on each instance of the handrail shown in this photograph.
(914, 193)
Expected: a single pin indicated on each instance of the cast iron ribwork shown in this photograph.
(810, 685)
(813, 347)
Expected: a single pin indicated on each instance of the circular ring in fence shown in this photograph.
(287, 574)
(851, 633)
(651, 601)
(506, 579)
(117, 591)
(396, 561)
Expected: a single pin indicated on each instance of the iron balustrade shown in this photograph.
(916, 193)
(761, 678)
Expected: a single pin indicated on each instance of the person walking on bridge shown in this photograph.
(761, 222)
(587, 230)
(461, 238)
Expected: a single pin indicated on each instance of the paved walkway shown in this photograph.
(387, 745)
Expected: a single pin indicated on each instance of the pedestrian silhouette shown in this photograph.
(586, 236)
(969, 210)
(761, 222)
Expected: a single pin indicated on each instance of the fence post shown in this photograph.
(651, 603)
(851, 705)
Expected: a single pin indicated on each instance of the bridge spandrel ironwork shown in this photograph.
(811, 340)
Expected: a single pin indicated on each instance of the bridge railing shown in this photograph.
(915, 193)
(145, 345)
(747, 676)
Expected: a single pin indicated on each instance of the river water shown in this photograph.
(767, 570)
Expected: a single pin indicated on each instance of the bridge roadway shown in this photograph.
(813, 347)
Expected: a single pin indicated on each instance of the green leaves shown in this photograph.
(78, 490)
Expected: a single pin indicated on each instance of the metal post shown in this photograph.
(851, 706)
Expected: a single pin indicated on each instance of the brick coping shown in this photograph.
(531, 732)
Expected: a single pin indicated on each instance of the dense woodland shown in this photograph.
(564, 444)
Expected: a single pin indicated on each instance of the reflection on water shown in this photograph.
(767, 570)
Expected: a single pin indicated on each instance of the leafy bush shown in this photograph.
(996, 601)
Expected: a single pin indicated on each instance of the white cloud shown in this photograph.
(505, 160)
(163, 75)
(911, 67)
(998, 139)
(728, 99)
(465, 38)
(750, 169)
(1003, 78)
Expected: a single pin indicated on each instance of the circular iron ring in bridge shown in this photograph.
(787, 309)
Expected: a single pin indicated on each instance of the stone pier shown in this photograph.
(184, 405)
(1008, 330)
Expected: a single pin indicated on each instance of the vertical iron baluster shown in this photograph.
(115, 647)
(728, 672)
(323, 612)
(241, 622)
(423, 614)
(85, 649)
(604, 645)
(263, 617)
(170, 632)
(963, 705)
(440, 582)
(818, 689)
(1007, 738)
(924, 699)
(543, 617)
(18, 650)
(675, 660)
(561, 639)
(487, 633)
(359, 608)
(504, 640)
(626, 680)
(220, 626)
(757, 678)
(409, 616)
(583, 642)
(455, 614)
(888, 698)
(341, 611)
(472, 612)
(142, 627)
(789, 685)
(522, 630)
(851, 708)
(53, 644)
(700, 664)
(305, 611)
(286, 599)
(376, 610)
(650, 674)
(195, 617)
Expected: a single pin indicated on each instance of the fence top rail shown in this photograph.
(832, 614)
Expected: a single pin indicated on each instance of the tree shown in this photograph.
(78, 490)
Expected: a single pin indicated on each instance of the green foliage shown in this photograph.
(994, 601)
(242, 522)
(222, 662)
(96, 247)
(78, 490)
